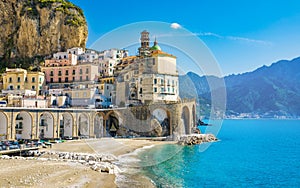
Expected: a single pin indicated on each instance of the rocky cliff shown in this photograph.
(31, 28)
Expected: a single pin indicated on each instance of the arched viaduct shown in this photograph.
(150, 120)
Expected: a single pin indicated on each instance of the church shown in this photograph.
(149, 77)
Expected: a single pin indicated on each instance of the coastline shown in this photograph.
(29, 172)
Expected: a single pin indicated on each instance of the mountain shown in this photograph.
(35, 28)
(269, 91)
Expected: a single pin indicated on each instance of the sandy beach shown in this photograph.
(35, 173)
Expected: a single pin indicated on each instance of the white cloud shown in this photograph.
(209, 34)
(175, 26)
(248, 40)
(234, 38)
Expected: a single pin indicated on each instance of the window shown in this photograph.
(18, 87)
(67, 72)
(155, 90)
(84, 94)
(80, 71)
(162, 82)
(173, 90)
(155, 81)
(67, 79)
(33, 79)
(87, 78)
(19, 79)
(59, 79)
(26, 79)
(51, 80)
(76, 94)
(33, 87)
(59, 73)
(107, 87)
(11, 87)
(141, 90)
(162, 90)
(80, 79)
(73, 72)
(73, 79)
(87, 70)
(51, 73)
(10, 80)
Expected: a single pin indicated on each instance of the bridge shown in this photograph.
(146, 120)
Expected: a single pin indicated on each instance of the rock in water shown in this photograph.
(194, 139)
(39, 28)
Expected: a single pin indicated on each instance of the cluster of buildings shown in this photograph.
(91, 79)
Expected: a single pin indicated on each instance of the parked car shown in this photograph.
(68, 138)
(14, 146)
(2, 146)
(3, 103)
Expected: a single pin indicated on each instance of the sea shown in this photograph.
(249, 153)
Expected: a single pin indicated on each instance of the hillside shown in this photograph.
(269, 91)
(36, 28)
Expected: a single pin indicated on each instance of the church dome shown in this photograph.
(155, 46)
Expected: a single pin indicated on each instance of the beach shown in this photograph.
(36, 173)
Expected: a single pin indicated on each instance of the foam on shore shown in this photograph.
(130, 166)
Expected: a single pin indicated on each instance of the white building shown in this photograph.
(147, 78)
(89, 56)
(76, 50)
(108, 60)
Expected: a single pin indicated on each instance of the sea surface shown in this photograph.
(250, 153)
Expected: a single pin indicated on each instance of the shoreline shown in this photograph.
(75, 174)
(108, 162)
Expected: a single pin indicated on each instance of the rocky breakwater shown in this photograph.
(194, 139)
(102, 163)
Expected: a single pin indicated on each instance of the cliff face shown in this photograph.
(32, 28)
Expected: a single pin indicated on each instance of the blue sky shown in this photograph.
(242, 35)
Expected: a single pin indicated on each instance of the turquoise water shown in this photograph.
(251, 153)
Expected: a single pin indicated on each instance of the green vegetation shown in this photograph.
(24, 63)
(73, 18)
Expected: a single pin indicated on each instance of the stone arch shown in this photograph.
(3, 126)
(46, 125)
(163, 117)
(194, 116)
(185, 116)
(112, 123)
(66, 125)
(23, 126)
(83, 125)
(99, 125)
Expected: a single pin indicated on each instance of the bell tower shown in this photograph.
(144, 49)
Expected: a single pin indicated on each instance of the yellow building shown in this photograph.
(19, 80)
